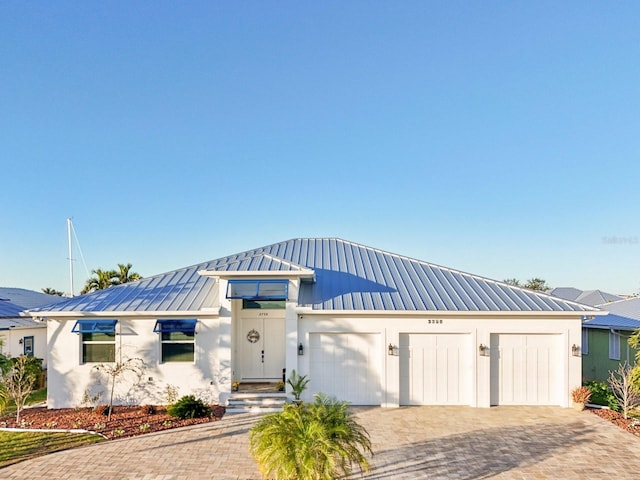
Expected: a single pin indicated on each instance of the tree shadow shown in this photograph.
(478, 454)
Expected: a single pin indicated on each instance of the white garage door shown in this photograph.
(347, 366)
(435, 369)
(526, 369)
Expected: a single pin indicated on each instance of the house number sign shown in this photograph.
(253, 336)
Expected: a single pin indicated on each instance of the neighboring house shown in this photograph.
(587, 297)
(367, 326)
(20, 335)
(605, 342)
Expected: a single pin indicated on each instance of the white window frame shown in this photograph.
(585, 341)
(614, 345)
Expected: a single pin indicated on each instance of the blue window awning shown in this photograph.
(95, 326)
(187, 325)
(258, 289)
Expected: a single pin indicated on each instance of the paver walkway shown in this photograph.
(409, 443)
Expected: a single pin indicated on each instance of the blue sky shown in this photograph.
(498, 138)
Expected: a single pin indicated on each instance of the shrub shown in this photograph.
(601, 394)
(102, 409)
(581, 394)
(319, 441)
(147, 410)
(189, 407)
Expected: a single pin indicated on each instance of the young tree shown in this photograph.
(622, 385)
(19, 381)
(117, 370)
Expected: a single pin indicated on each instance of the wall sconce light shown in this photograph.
(575, 350)
(393, 350)
(20, 341)
(483, 350)
(301, 349)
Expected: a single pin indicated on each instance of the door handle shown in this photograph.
(262, 356)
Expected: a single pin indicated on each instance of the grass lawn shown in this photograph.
(18, 446)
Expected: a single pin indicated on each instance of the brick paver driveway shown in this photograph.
(409, 443)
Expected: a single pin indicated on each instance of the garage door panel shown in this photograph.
(435, 369)
(347, 366)
(525, 369)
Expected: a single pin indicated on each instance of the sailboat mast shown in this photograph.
(70, 257)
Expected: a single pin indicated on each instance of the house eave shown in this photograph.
(447, 313)
(228, 275)
(206, 312)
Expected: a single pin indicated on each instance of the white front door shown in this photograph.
(262, 355)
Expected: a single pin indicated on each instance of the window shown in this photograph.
(177, 340)
(614, 345)
(258, 289)
(263, 304)
(98, 338)
(585, 341)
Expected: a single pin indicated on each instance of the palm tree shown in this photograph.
(102, 279)
(318, 441)
(52, 291)
(125, 275)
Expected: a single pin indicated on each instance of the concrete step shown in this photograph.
(256, 402)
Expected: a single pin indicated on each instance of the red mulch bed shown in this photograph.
(126, 421)
(631, 424)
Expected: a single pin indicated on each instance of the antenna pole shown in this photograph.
(70, 257)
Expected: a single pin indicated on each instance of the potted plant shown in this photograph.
(580, 396)
(235, 385)
(281, 386)
(298, 385)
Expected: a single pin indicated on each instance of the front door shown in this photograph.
(28, 346)
(262, 348)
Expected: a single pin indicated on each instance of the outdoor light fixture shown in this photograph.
(393, 350)
(575, 350)
(301, 349)
(484, 350)
(20, 341)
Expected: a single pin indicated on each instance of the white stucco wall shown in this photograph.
(13, 348)
(206, 377)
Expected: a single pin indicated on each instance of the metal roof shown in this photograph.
(348, 276)
(9, 309)
(9, 323)
(626, 308)
(24, 299)
(612, 321)
(587, 297)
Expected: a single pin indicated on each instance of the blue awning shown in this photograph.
(95, 326)
(187, 325)
(258, 289)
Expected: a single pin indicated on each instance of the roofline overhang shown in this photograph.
(228, 275)
(206, 312)
(604, 327)
(445, 313)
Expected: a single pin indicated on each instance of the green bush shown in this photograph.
(601, 394)
(318, 441)
(189, 407)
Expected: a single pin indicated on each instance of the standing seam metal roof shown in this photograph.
(349, 276)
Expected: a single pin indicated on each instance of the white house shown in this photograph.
(19, 335)
(367, 326)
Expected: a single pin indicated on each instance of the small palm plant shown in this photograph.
(298, 384)
(318, 441)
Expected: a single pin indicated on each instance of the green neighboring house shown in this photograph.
(605, 345)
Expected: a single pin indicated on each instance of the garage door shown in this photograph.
(526, 369)
(347, 366)
(435, 369)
